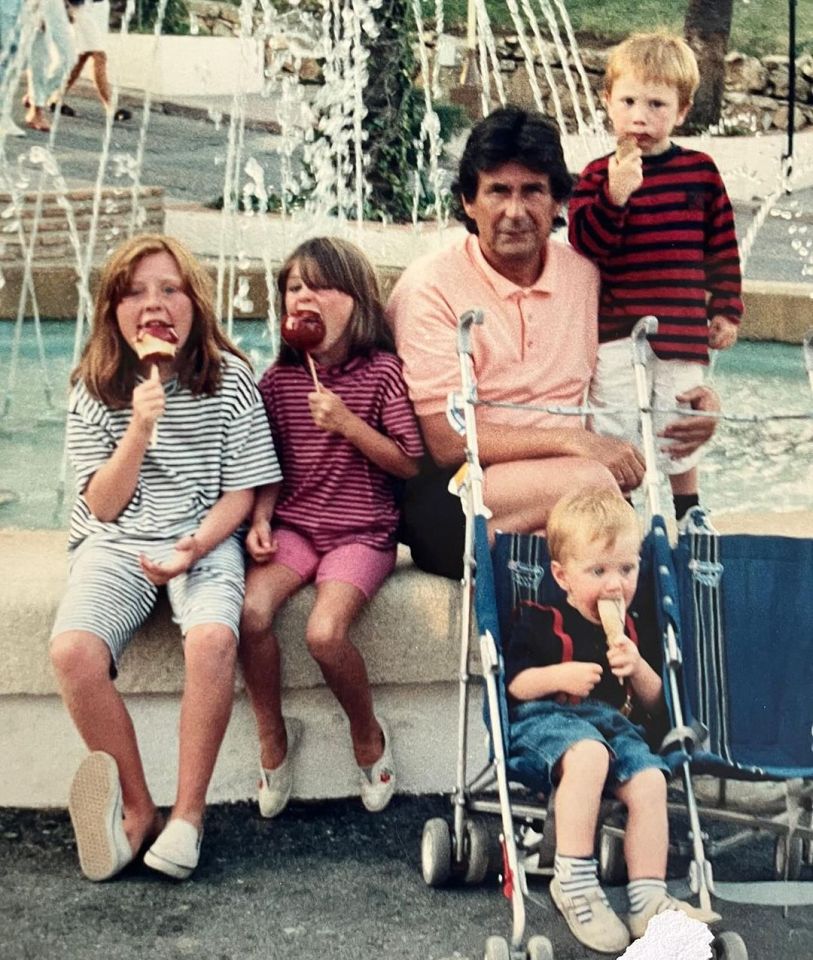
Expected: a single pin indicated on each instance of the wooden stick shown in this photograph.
(612, 613)
(312, 365)
(155, 374)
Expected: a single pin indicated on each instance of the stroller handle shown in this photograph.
(464, 325)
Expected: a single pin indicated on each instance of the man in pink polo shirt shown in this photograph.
(537, 345)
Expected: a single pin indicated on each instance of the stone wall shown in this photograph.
(53, 242)
(756, 91)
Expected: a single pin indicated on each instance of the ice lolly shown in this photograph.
(304, 331)
(155, 342)
(611, 613)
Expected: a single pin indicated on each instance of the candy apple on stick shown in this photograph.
(304, 331)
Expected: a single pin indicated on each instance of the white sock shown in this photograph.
(643, 891)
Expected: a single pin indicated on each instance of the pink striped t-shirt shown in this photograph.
(331, 492)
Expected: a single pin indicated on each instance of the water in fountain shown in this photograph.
(320, 150)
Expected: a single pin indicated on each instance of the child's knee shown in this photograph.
(586, 759)
(80, 656)
(324, 636)
(256, 618)
(647, 788)
(212, 646)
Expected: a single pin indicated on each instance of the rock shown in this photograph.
(744, 73)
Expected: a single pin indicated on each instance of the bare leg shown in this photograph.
(268, 586)
(578, 797)
(337, 606)
(521, 494)
(210, 654)
(646, 839)
(77, 69)
(100, 76)
(81, 661)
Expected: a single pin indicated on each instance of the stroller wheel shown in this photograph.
(540, 948)
(788, 852)
(497, 949)
(477, 854)
(611, 863)
(730, 946)
(436, 852)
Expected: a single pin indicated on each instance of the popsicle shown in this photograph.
(304, 331)
(611, 613)
(155, 342)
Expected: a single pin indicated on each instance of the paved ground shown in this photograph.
(186, 145)
(324, 880)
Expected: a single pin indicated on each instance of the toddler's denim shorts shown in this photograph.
(541, 731)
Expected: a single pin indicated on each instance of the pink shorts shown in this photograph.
(364, 567)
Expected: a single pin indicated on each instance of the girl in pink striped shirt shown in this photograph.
(343, 445)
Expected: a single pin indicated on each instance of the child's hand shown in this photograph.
(722, 333)
(329, 412)
(625, 175)
(577, 678)
(260, 542)
(149, 401)
(623, 657)
(183, 557)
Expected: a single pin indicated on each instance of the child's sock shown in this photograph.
(684, 503)
(641, 892)
(576, 875)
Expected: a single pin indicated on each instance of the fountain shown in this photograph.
(317, 169)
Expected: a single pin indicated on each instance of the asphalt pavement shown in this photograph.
(322, 880)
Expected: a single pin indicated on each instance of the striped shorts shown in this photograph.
(108, 594)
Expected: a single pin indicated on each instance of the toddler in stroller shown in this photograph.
(573, 698)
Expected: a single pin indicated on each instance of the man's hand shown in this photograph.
(624, 460)
(577, 679)
(722, 332)
(183, 558)
(260, 542)
(689, 433)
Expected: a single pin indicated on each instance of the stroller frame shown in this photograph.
(466, 851)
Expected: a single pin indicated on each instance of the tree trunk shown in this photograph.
(707, 28)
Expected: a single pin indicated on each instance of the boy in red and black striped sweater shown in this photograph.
(657, 220)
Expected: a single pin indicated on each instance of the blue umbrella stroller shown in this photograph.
(493, 582)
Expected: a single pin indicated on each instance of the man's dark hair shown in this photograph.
(511, 135)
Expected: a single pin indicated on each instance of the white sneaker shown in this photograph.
(96, 814)
(378, 785)
(604, 931)
(637, 922)
(176, 851)
(275, 786)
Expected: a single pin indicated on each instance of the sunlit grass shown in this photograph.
(759, 26)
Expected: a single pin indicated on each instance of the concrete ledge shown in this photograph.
(409, 637)
(409, 634)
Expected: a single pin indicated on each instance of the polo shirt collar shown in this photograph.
(503, 287)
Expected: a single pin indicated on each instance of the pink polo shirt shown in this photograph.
(536, 344)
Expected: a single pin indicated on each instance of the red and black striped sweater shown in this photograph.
(671, 250)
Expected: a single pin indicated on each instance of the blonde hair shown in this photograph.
(658, 57)
(330, 263)
(594, 514)
(108, 367)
